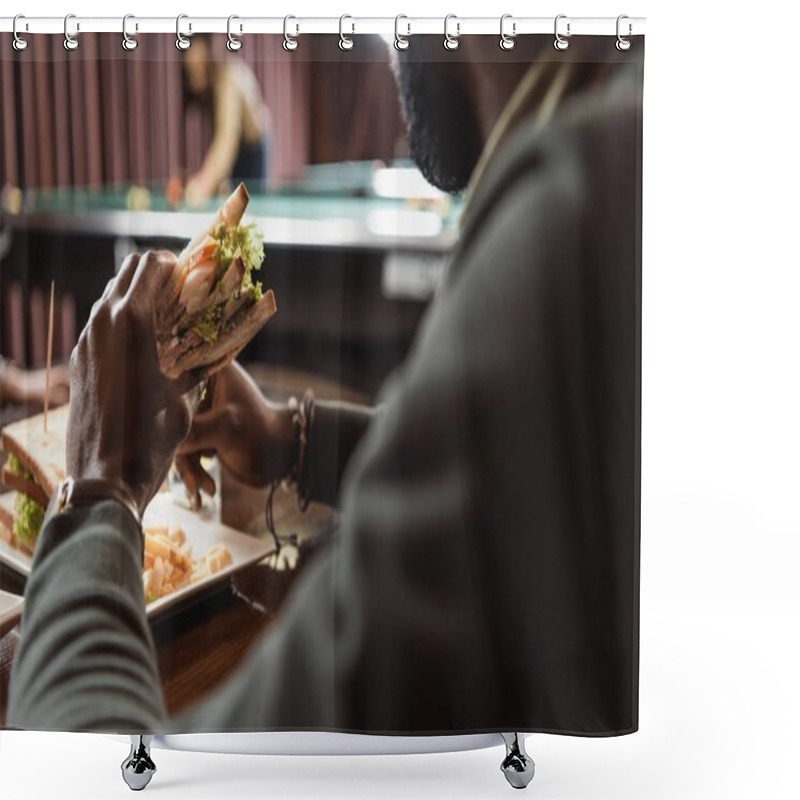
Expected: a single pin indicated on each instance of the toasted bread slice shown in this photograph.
(7, 534)
(16, 483)
(230, 343)
(7, 510)
(43, 454)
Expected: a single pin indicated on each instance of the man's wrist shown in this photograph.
(281, 439)
(301, 473)
(83, 492)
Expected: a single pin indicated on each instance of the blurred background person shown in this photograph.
(240, 148)
(26, 387)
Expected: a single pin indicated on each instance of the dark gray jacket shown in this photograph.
(486, 573)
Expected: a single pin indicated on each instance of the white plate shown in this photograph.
(10, 611)
(201, 534)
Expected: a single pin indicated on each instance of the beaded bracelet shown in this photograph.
(302, 420)
(300, 474)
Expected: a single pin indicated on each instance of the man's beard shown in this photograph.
(444, 135)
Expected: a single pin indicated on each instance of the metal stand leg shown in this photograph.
(138, 768)
(517, 766)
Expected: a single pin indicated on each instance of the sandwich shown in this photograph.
(213, 305)
(35, 464)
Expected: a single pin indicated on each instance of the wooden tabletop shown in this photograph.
(202, 643)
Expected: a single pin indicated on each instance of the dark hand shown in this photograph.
(252, 437)
(126, 418)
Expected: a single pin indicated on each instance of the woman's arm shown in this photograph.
(221, 154)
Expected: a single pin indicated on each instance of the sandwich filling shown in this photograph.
(16, 467)
(214, 305)
(29, 515)
(241, 241)
(28, 518)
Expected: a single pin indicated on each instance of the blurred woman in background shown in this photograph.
(240, 147)
(26, 388)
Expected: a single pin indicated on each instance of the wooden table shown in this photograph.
(202, 643)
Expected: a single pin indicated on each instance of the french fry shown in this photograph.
(168, 564)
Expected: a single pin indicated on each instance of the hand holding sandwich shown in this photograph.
(126, 418)
(253, 437)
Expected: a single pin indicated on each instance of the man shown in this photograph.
(485, 576)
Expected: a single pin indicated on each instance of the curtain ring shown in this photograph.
(507, 42)
(561, 42)
(182, 43)
(19, 43)
(289, 42)
(128, 42)
(345, 42)
(400, 42)
(623, 44)
(70, 42)
(451, 42)
(234, 44)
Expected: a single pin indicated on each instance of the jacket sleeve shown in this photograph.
(338, 428)
(86, 659)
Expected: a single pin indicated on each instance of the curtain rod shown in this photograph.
(347, 25)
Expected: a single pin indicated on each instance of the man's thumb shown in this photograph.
(206, 432)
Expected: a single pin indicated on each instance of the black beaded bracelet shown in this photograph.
(302, 420)
(304, 478)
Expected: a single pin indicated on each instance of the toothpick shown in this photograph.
(49, 354)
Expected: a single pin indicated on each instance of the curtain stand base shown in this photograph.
(138, 768)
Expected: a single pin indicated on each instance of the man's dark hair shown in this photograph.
(444, 133)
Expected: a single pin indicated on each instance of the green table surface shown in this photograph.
(334, 205)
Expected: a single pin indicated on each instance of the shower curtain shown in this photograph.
(452, 237)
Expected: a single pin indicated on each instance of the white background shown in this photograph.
(720, 674)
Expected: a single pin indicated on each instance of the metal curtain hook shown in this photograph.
(623, 44)
(128, 42)
(289, 42)
(561, 42)
(400, 42)
(345, 42)
(451, 42)
(234, 44)
(182, 43)
(507, 42)
(70, 42)
(19, 43)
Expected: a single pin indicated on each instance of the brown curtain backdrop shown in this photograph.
(355, 103)
(103, 116)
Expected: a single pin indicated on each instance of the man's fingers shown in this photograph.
(119, 285)
(186, 469)
(109, 288)
(207, 394)
(206, 482)
(194, 477)
(154, 270)
(206, 433)
(191, 387)
(191, 383)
